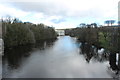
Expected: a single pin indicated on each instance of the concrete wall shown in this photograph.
(119, 11)
(0, 30)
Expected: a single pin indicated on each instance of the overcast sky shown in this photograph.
(61, 13)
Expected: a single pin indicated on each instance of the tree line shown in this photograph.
(107, 37)
(16, 32)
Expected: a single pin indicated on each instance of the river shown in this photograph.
(58, 59)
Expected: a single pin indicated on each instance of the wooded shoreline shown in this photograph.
(16, 32)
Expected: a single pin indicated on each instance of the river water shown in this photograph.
(57, 59)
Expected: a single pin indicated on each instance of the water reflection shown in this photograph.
(15, 55)
(114, 64)
(91, 52)
(88, 51)
(56, 59)
(43, 44)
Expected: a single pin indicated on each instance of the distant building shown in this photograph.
(60, 32)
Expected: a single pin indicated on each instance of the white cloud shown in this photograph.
(66, 7)
(7, 10)
(60, 12)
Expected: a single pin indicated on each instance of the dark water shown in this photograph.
(62, 58)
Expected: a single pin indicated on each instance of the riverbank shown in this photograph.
(106, 37)
(39, 43)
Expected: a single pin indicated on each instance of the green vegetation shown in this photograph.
(103, 39)
(16, 33)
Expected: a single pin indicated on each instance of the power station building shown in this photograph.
(60, 32)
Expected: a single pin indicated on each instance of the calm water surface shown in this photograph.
(59, 59)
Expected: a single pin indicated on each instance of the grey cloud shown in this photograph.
(55, 8)
(48, 8)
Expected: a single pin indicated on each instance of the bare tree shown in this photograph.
(108, 22)
(82, 25)
(112, 22)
